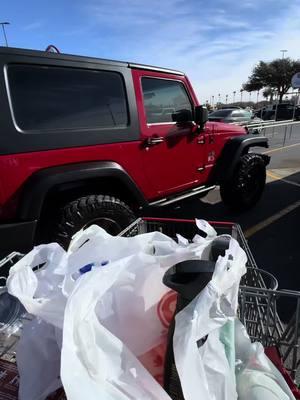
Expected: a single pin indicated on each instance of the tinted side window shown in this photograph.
(50, 98)
(162, 98)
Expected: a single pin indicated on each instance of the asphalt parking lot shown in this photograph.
(272, 227)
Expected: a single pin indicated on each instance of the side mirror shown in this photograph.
(182, 116)
(201, 116)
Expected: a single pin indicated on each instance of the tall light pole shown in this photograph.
(234, 92)
(283, 51)
(241, 91)
(4, 33)
(219, 96)
(213, 100)
(226, 98)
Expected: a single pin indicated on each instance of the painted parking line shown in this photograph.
(276, 177)
(281, 148)
(262, 225)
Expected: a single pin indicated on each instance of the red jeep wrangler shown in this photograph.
(85, 140)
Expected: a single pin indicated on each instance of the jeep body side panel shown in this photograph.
(216, 135)
(14, 140)
(18, 168)
(225, 132)
(39, 184)
(230, 155)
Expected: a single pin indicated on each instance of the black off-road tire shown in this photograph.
(247, 184)
(108, 212)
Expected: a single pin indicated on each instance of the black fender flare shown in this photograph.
(231, 153)
(41, 182)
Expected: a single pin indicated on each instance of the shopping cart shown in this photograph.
(259, 297)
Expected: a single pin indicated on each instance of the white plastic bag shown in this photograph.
(94, 360)
(205, 372)
(39, 349)
(38, 360)
(40, 291)
(257, 377)
(119, 314)
(115, 314)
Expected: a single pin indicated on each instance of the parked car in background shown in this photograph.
(230, 107)
(233, 115)
(284, 111)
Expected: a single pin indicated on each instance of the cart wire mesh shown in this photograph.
(16, 316)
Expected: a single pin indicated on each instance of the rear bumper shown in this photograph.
(17, 237)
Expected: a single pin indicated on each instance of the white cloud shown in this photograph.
(251, 4)
(217, 48)
(228, 22)
(285, 35)
(33, 26)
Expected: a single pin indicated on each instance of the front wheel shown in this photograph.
(247, 183)
(108, 212)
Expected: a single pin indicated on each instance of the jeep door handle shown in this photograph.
(152, 141)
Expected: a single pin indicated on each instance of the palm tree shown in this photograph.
(241, 91)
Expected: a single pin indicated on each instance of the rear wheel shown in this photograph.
(247, 184)
(108, 212)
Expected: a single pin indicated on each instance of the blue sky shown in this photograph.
(215, 42)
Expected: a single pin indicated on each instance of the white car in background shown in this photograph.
(237, 116)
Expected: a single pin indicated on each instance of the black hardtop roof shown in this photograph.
(69, 57)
